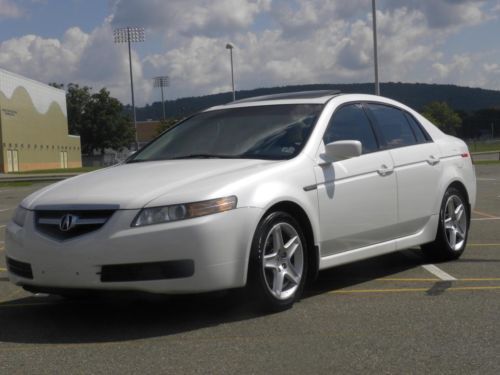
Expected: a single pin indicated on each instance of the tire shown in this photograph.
(453, 229)
(278, 262)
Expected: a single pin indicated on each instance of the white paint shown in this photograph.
(6, 209)
(42, 95)
(436, 271)
(485, 218)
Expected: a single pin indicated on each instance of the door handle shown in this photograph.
(384, 170)
(433, 160)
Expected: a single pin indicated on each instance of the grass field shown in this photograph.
(482, 162)
(483, 146)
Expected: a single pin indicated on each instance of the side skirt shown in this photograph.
(425, 235)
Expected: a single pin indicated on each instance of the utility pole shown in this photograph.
(161, 82)
(230, 47)
(375, 52)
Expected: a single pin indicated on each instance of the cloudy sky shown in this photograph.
(277, 42)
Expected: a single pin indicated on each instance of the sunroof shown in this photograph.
(291, 95)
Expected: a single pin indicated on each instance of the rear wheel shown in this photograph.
(278, 264)
(454, 218)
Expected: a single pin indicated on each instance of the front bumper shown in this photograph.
(218, 246)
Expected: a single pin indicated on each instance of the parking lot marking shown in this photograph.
(485, 218)
(6, 209)
(407, 279)
(423, 279)
(436, 271)
(403, 290)
(3, 269)
(483, 244)
(484, 214)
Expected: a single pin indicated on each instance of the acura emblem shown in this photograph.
(68, 222)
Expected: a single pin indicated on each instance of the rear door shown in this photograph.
(416, 164)
(357, 196)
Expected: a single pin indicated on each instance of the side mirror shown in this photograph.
(341, 150)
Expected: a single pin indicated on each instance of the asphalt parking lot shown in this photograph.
(392, 314)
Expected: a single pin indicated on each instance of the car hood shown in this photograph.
(132, 186)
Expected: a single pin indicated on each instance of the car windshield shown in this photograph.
(263, 132)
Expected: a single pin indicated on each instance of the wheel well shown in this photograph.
(300, 215)
(461, 187)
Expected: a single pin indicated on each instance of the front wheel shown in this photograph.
(454, 219)
(278, 264)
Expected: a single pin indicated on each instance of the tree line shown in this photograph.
(483, 123)
(98, 118)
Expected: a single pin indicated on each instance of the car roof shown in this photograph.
(314, 94)
(306, 97)
(297, 97)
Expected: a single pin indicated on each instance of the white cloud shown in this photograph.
(475, 70)
(445, 13)
(90, 59)
(9, 9)
(335, 51)
(279, 42)
(188, 17)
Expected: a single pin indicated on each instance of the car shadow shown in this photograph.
(366, 270)
(121, 318)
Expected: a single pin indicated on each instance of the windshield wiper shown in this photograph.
(136, 161)
(204, 156)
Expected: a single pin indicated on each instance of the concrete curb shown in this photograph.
(35, 177)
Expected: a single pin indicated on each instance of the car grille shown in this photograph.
(63, 225)
(19, 268)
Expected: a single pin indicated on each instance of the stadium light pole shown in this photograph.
(230, 47)
(130, 35)
(161, 82)
(375, 52)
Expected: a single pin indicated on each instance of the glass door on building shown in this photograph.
(12, 161)
(63, 156)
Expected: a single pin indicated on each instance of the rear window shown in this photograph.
(417, 129)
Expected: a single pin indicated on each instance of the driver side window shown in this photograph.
(351, 123)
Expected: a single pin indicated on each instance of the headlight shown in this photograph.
(157, 215)
(20, 216)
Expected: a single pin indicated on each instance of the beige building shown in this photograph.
(147, 131)
(34, 127)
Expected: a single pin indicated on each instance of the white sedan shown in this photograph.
(261, 192)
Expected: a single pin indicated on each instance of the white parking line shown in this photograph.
(6, 209)
(485, 218)
(438, 272)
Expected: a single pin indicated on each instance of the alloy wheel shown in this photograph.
(455, 222)
(283, 262)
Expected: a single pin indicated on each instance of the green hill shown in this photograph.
(416, 95)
